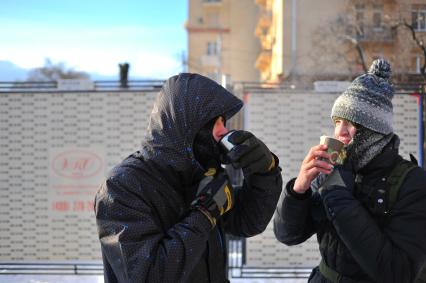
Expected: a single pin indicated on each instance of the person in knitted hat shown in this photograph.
(367, 105)
(369, 213)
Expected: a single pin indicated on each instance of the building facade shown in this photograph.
(221, 39)
(308, 40)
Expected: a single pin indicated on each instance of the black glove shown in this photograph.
(342, 178)
(250, 153)
(214, 195)
(337, 189)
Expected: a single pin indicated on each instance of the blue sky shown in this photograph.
(94, 36)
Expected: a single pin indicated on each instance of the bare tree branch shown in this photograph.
(355, 42)
(53, 72)
(419, 42)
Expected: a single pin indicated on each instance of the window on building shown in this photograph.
(418, 17)
(212, 48)
(415, 64)
(377, 17)
(213, 19)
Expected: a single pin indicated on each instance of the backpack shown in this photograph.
(396, 178)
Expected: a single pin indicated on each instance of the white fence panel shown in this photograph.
(55, 149)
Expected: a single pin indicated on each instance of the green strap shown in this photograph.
(329, 273)
(421, 276)
(395, 180)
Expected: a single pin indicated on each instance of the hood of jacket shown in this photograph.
(183, 106)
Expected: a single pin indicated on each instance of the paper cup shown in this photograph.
(334, 147)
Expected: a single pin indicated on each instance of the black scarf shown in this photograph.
(206, 149)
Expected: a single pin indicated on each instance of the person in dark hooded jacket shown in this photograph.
(163, 212)
(361, 238)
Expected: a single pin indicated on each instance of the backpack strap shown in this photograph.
(395, 180)
(421, 276)
(329, 273)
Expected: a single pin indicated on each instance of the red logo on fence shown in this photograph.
(77, 164)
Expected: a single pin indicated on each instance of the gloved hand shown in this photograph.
(214, 195)
(337, 189)
(341, 178)
(250, 153)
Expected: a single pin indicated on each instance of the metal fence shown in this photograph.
(80, 86)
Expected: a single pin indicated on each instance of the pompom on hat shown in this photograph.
(368, 99)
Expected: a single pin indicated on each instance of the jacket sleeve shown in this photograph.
(293, 223)
(255, 203)
(135, 245)
(396, 253)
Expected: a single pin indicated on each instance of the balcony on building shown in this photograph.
(264, 23)
(376, 34)
(262, 3)
(267, 42)
(263, 61)
(263, 30)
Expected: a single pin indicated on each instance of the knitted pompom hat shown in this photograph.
(367, 100)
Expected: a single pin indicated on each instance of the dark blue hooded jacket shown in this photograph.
(148, 232)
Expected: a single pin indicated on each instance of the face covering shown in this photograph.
(206, 149)
(366, 145)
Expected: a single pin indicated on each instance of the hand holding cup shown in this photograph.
(320, 159)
